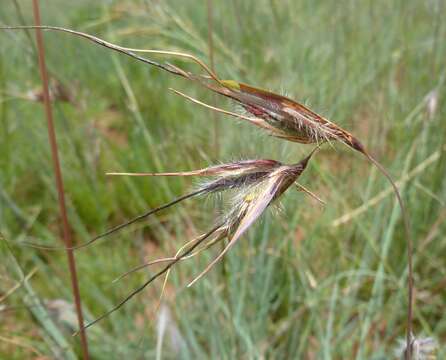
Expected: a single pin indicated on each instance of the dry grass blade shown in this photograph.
(9, 292)
(300, 187)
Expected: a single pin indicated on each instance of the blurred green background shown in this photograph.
(300, 284)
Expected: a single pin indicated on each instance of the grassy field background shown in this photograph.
(299, 285)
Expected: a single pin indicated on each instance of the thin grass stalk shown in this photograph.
(19, 12)
(210, 16)
(59, 181)
(410, 280)
(210, 12)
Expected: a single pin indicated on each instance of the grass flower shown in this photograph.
(257, 184)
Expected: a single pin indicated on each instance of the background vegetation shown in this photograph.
(299, 285)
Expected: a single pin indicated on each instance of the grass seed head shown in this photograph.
(251, 201)
(286, 118)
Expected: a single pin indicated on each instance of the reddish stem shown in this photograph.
(59, 181)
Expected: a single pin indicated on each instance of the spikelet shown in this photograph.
(227, 176)
(252, 196)
(249, 204)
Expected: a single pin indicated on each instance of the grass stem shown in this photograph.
(59, 181)
(211, 62)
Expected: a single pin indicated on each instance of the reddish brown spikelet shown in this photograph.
(250, 204)
(284, 117)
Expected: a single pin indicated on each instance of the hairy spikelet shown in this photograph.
(249, 204)
(254, 198)
(228, 176)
